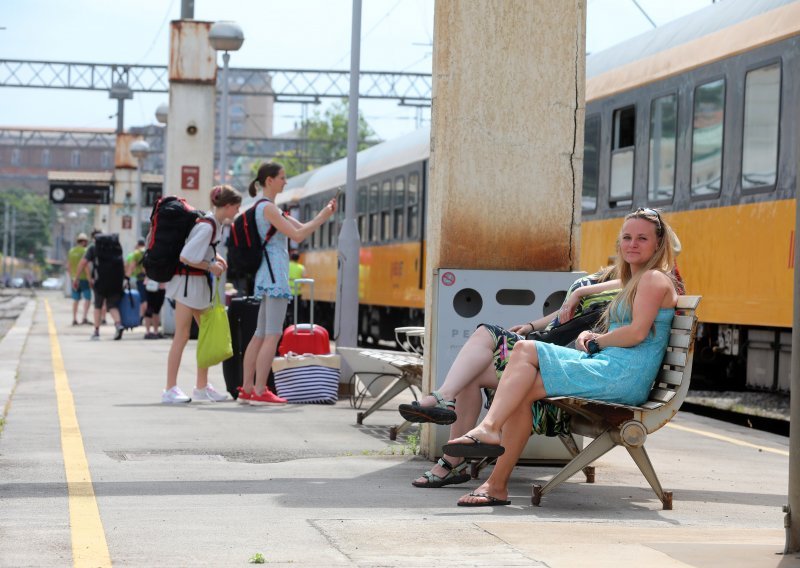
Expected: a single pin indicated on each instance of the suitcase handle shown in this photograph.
(297, 282)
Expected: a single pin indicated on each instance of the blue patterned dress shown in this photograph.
(278, 252)
(615, 374)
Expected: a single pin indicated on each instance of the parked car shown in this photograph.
(53, 283)
(17, 282)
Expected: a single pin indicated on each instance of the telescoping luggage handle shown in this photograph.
(309, 326)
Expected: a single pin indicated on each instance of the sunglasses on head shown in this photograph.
(652, 213)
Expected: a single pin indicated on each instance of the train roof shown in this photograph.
(713, 33)
(386, 156)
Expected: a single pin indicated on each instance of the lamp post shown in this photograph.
(162, 115)
(139, 149)
(225, 36)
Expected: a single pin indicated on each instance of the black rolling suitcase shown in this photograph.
(243, 317)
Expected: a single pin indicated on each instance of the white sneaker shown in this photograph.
(174, 395)
(208, 394)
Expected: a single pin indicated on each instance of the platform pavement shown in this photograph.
(213, 484)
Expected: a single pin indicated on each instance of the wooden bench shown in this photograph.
(614, 425)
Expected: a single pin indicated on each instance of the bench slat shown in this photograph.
(682, 322)
(668, 377)
(679, 340)
(688, 302)
(652, 405)
(675, 358)
(661, 395)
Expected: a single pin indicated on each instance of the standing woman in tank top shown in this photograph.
(272, 280)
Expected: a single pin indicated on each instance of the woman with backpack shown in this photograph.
(272, 280)
(190, 289)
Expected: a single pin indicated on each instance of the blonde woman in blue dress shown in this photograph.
(619, 364)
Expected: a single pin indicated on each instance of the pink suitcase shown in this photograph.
(302, 338)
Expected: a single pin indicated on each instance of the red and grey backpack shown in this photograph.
(245, 247)
(171, 222)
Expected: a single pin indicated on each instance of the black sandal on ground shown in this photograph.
(441, 413)
(454, 476)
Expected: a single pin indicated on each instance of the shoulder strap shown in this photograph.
(213, 227)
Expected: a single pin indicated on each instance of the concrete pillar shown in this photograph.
(506, 140)
(120, 217)
(192, 108)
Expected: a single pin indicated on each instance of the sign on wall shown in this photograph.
(92, 194)
(190, 177)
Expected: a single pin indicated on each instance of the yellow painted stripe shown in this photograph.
(728, 439)
(89, 546)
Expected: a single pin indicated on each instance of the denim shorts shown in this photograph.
(83, 290)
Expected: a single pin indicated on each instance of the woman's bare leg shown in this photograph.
(516, 433)
(183, 324)
(202, 373)
(520, 383)
(468, 408)
(249, 367)
(473, 360)
(266, 354)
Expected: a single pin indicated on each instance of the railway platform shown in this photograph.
(94, 470)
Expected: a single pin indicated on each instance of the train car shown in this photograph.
(698, 118)
(392, 182)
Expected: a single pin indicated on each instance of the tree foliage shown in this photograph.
(325, 134)
(34, 213)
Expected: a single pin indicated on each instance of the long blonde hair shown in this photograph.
(663, 259)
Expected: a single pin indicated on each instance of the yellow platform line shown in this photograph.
(89, 546)
(729, 440)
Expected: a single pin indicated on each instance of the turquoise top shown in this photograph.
(278, 252)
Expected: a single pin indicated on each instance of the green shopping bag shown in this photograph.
(214, 339)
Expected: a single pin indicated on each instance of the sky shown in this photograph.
(396, 35)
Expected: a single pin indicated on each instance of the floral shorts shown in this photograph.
(548, 420)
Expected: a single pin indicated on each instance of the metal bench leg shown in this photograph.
(572, 447)
(642, 460)
(396, 388)
(601, 445)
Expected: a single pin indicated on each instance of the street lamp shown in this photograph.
(140, 149)
(225, 36)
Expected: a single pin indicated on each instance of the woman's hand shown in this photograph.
(328, 210)
(521, 329)
(569, 306)
(584, 338)
(223, 262)
(216, 268)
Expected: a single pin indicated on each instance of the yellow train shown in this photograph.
(698, 118)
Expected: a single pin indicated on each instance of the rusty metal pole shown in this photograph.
(792, 509)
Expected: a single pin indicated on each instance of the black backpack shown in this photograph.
(171, 222)
(108, 265)
(245, 248)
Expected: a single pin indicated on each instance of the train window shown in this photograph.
(399, 206)
(374, 214)
(661, 166)
(361, 207)
(762, 101)
(622, 157)
(306, 212)
(412, 222)
(708, 125)
(386, 210)
(333, 232)
(591, 162)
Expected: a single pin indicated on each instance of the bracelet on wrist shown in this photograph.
(533, 327)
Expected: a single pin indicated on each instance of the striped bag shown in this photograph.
(307, 379)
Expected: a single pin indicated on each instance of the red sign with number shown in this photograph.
(190, 177)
